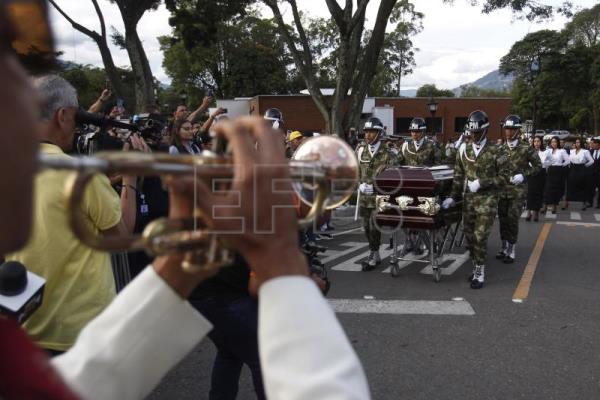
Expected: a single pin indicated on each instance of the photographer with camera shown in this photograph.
(80, 282)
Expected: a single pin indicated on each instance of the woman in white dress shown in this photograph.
(577, 182)
(557, 161)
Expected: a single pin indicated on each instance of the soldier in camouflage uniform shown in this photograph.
(522, 163)
(479, 172)
(420, 151)
(373, 157)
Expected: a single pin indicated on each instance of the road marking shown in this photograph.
(575, 216)
(348, 231)
(333, 254)
(399, 307)
(457, 261)
(549, 215)
(522, 290)
(405, 263)
(597, 216)
(524, 215)
(585, 224)
(349, 265)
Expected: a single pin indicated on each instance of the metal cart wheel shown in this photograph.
(437, 274)
(395, 270)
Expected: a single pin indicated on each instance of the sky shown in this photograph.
(458, 43)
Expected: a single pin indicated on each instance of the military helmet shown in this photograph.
(478, 121)
(372, 124)
(512, 122)
(477, 125)
(417, 124)
(275, 116)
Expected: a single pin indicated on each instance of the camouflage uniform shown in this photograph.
(449, 154)
(427, 154)
(479, 209)
(522, 159)
(369, 168)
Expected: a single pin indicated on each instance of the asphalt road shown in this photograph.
(446, 341)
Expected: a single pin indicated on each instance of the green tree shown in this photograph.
(430, 90)
(475, 91)
(246, 58)
(89, 81)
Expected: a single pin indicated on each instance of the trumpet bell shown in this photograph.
(335, 159)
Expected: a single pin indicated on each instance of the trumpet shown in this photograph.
(324, 173)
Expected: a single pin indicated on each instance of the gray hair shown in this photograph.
(57, 93)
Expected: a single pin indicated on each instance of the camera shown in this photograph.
(94, 136)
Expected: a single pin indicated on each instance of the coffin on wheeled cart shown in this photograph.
(409, 200)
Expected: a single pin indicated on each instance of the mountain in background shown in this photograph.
(494, 80)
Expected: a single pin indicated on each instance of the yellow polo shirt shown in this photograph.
(79, 280)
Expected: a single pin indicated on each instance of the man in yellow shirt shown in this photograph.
(80, 282)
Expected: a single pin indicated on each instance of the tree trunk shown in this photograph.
(144, 81)
(111, 71)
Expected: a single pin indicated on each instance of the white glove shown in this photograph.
(365, 188)
(449, 202)
(474, 186)
(459, 141)
(517, 179)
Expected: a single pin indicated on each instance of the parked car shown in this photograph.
(560, 134)
(540, 132)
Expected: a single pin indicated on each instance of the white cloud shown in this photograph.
(458, 45)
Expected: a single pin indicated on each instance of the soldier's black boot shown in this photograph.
(510, 254)
(502, 253)
(478, 277)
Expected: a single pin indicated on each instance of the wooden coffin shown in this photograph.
(412, 197)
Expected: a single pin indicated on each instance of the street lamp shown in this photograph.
(534, 69)
(432, 105)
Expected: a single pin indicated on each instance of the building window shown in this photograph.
(434, 125)
(460, 123)
(402, 125)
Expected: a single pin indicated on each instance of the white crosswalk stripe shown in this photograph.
(597, 216)
(333, 254)
(350, 265)
(524, 214)
(549, 215)
(575, 216)
(457, 261)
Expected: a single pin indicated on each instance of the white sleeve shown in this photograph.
(173, 150)
(565, 158)
(304, 352)
(126, 350)
(587, 158)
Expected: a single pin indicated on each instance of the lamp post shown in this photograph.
(432, 105)
(534, 69)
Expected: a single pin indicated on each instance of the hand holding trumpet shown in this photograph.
(234, 213)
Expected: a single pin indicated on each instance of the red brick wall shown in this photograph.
(300, 112)
(450, 108)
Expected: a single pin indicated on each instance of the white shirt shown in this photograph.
(477, 148)
(557, 158)
(304, 352)
(373, 148)
(542, 154)
(582, 156)
(513, 144)
(126, 350)
(419, 143)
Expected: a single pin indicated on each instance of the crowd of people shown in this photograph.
(260, 311)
